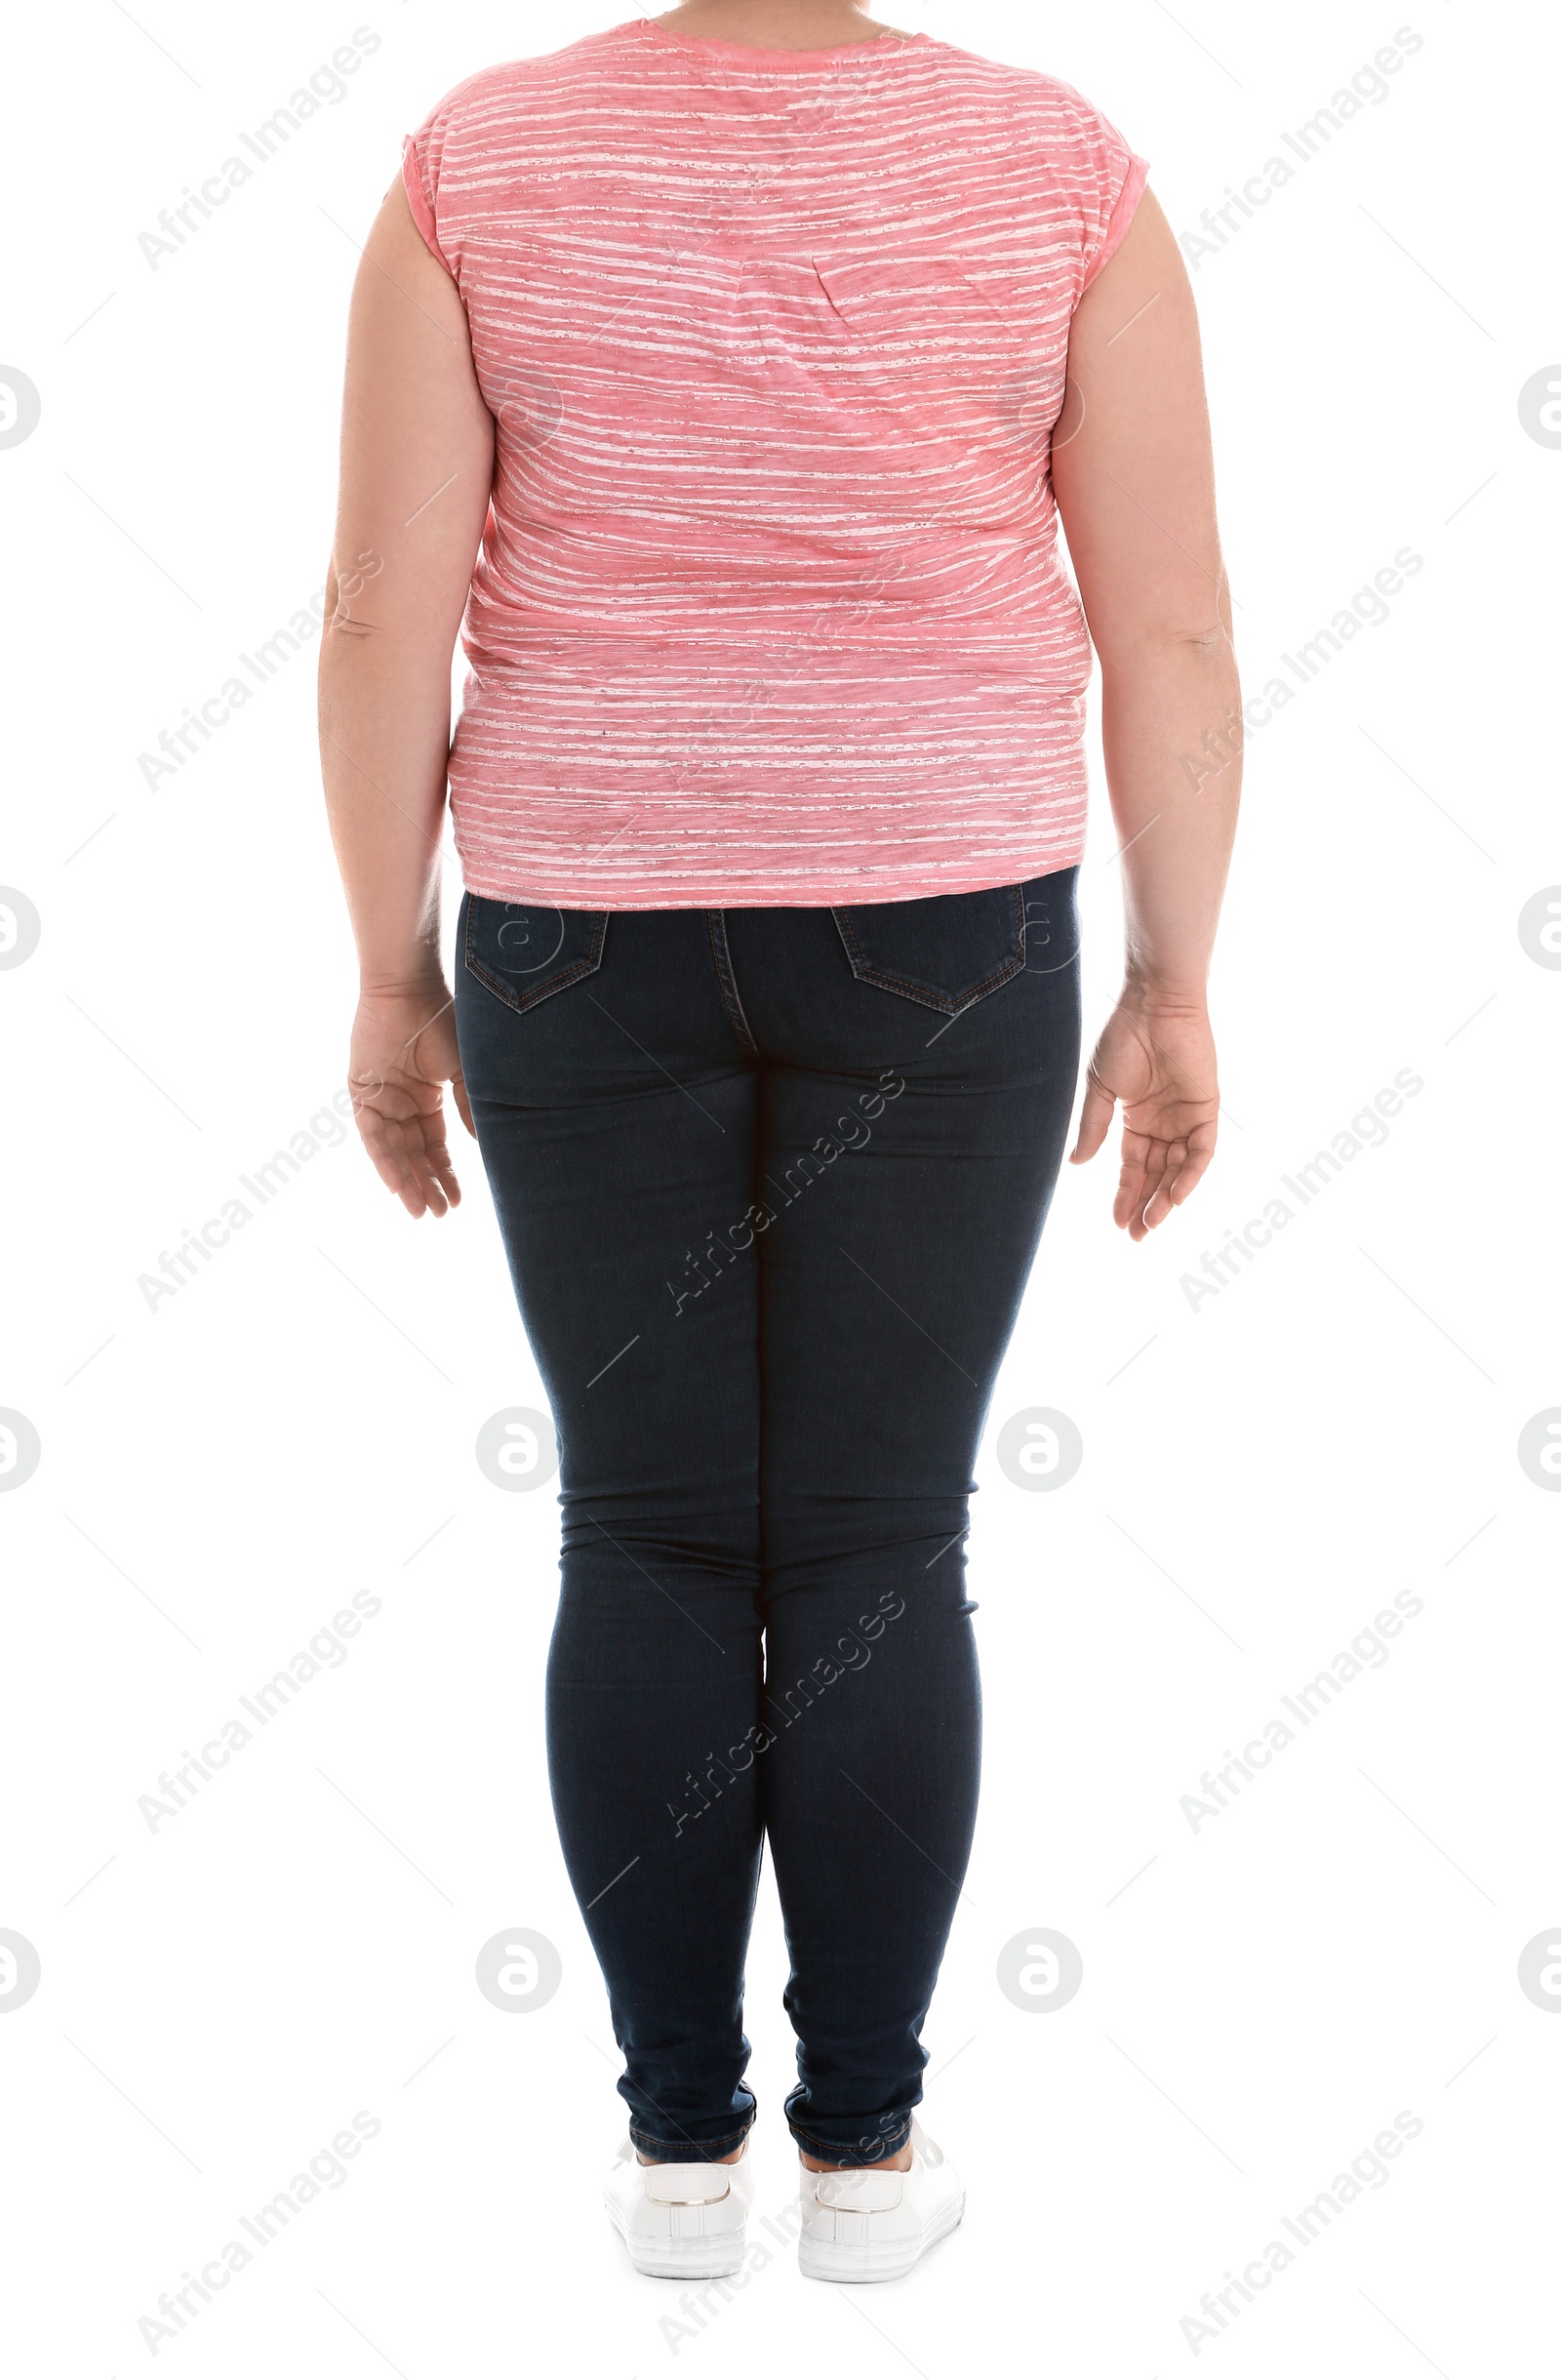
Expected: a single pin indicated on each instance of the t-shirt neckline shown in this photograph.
(750, 55)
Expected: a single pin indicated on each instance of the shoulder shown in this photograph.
(1035, 103)
(497, 97)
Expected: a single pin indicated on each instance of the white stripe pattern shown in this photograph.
(770, 610)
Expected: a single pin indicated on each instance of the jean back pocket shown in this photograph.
(946, 951)
(524, 950)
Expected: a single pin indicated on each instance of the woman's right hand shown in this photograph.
(404, 1049)
(1157, 1058)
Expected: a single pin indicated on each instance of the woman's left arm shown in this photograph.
(1134, 478)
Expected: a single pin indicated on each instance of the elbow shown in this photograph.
(345, 627)
(1200, 650)
(1201, 642)
(1200, 630)
(346, 619)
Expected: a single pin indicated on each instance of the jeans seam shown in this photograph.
(725, 976)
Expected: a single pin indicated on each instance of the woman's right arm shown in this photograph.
(417, 463)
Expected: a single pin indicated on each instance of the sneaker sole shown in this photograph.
(695, 2259)
(832, 2260)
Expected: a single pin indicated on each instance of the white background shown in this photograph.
(1261, 1997)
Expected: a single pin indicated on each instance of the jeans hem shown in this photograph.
(849, 2152)
(688, 2151)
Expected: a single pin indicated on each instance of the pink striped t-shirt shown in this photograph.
(770, 609)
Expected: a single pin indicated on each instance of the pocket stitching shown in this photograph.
(561, 982)
(945, 1003)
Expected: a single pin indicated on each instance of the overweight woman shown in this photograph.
(722, 378)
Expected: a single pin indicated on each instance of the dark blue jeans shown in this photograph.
(771, 1182)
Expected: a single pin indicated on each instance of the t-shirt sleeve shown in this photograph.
(415, 180)
(422, 165)
(1114, 177)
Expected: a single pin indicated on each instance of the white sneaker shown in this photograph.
(681, 2222)
(873, 2225)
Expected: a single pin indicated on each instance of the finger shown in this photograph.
(439, 1167)
(457, 1084)
(1160, 1202)
(400, 1174)
(1151, 1173)
(412, 1165)
(384, 1139)
(1199, 1157)
(399, 1178)
(411, 1179)
(433, 1178)
(1131, 1186)
(1095, 1120)
(444, 1175)
(1186, 1162)
(383, 1156)
(1138, 1224)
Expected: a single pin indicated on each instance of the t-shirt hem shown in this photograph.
(863, 889)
